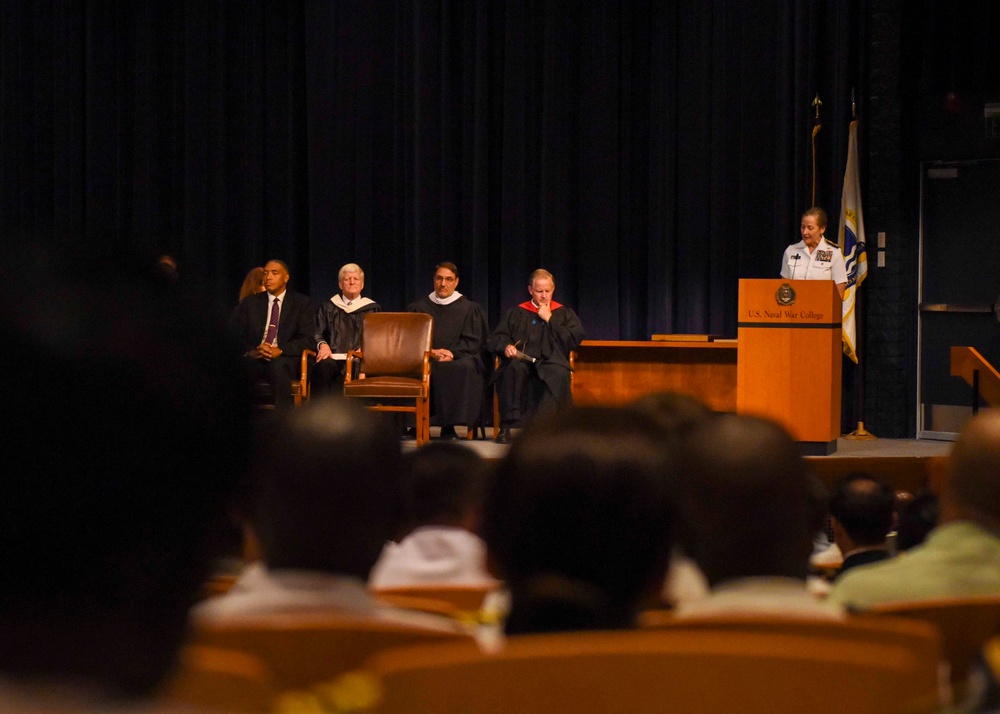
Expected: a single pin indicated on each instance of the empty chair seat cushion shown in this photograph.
(384, 387)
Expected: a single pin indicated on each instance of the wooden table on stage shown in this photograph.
(617, 372)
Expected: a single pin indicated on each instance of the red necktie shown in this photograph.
(272, 326)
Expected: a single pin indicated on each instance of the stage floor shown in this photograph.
(846, 448)
(890, 448)
(906, 464)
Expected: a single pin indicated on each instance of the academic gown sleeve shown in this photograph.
(505, 333)
(471, 339)
(565, 331)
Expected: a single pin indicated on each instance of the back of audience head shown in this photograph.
(862, 509)
(676, 413)
(442, 486)
(130, 435)
(751, 505)
(578, 520)
(971, 490)
(325, 488)
(916, 518)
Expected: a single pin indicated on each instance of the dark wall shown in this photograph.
(932, 66)
(650, 154)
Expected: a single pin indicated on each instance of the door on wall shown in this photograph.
(959, 285)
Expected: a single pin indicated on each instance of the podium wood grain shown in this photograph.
(789, 362)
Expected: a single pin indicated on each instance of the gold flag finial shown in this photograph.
(817, 102)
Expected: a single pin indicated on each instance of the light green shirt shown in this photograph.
(957, 559)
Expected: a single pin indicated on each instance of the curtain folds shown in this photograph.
(649, 154)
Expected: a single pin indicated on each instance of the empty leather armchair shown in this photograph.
(395, 362)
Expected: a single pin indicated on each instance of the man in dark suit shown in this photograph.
(861, 513)
(272, 328)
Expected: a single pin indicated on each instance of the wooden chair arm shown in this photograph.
(425, 375)
(349, 367)
(304, 374)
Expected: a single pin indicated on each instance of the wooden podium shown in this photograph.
(788, 366)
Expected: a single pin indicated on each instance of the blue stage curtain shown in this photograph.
(649, 154)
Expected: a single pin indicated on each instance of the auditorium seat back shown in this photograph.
(702, 670)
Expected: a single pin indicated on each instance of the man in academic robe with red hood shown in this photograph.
(534, 340)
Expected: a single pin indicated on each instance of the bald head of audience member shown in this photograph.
(127, 444)
(325, 488)
(971, 491)
(751, 506)
(862, 512)
(578, 520)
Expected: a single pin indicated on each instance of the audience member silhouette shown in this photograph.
(916, 519)
(578, 520)
(322, 504)
(128, 440)
(750, 509)
(961, 557)
(677, 414)
(861, 516)
(441, 501)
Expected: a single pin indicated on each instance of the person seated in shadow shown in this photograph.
(750, 509)
(253, 283)
(578, 520)
(128, 442)
(916, 519)
(861, 515)
(961, 556)
(440, 502)
(676, 414)
(322, 503)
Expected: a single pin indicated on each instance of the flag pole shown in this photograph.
(817, 125)
(861, 433)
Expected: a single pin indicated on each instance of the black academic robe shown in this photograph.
(339, 329)
(456, 386)
(525, 388)
(342, 331)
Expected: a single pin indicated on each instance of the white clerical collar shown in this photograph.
(444, 301)
(355, 304)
